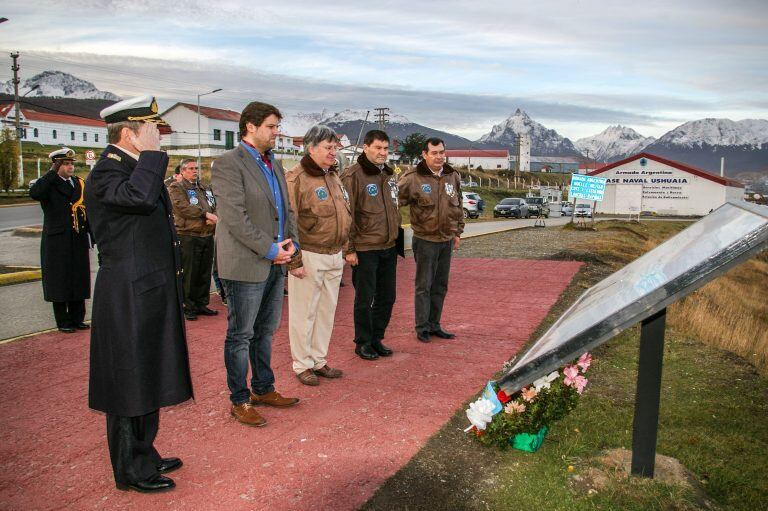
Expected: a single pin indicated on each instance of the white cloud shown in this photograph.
(453, 62)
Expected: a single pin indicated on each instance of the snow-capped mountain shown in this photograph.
(719, 132)
(298, 124)
(359, 115)
(56, 84)
(349, 122)
(613, 144)
(544, 141)
(743, 144)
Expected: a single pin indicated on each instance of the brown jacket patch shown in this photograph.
(322, 208)
(373, 196)
(435, 202)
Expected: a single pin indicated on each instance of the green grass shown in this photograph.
(712, 419)
(713, 412)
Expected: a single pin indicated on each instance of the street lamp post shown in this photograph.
(198, 124)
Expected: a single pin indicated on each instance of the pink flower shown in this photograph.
(579, 383)
(529, 393)
(514, 407)
(570, 372)
(584, 362)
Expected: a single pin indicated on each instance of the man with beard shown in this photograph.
(255, 236)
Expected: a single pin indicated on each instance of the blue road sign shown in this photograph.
(587, 187)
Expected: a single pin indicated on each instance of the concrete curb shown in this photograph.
(31, 203)
(19, 277)
(32, 231)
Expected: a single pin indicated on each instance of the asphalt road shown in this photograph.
(12, 217)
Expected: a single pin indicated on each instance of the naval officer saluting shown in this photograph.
(65, 243)
(139, 359)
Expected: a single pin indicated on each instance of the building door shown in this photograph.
(230, 140)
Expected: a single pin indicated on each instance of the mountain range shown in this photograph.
(57, 84)
(700, 143)
(348, 122)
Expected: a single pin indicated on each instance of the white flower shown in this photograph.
(545, 381)
(480, 413)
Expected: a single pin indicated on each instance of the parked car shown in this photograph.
(566, 209)
(511, 207)
(472, 204)
(538, 206)
(468, 184)
(583, 210)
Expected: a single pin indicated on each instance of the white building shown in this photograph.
(55, 129)
(649, 183)
(219, 130)
(474, 158)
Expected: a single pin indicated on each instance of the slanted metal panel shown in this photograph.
(731, 234)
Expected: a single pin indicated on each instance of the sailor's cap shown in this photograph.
(139, 109)
(63, 154)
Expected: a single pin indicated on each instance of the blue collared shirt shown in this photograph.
(274, 186)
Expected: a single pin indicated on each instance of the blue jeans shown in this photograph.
(253, 316)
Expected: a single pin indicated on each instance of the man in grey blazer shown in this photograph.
(254, 240)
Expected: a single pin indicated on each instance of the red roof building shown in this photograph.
(55, 128)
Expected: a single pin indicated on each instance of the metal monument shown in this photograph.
(640, 293)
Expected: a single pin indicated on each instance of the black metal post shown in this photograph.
(646, 422)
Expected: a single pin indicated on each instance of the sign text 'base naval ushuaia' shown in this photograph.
(641, 292)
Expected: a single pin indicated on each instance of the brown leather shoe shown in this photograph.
(308, 377)
(328, 372)
(247, 414)
(273, 399)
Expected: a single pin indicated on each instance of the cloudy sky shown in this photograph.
(575, 65)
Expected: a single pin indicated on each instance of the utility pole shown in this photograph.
(16, 80)
(382, 117)
(518, 149)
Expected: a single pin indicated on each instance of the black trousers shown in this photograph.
(131, 450)
(433, 265)
(197, 261)
(375, 283)
(69, 314)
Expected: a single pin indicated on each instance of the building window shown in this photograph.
(85, 137)
(54, 134)
(35, 132)
(71, 135)
(238, 135)
(498, 166)
(217, 134)
(23, 132)
(95, 137)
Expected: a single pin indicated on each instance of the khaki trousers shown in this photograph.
(312, 308)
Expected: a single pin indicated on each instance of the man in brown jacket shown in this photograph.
(322, 211)
(433, 192)
(372, 188)
(194, 213)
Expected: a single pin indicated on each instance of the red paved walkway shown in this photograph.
(331, 451)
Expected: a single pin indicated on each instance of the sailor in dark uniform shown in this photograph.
(65, 243)
(139, 359)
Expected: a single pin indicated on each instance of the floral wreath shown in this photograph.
(522, 420)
